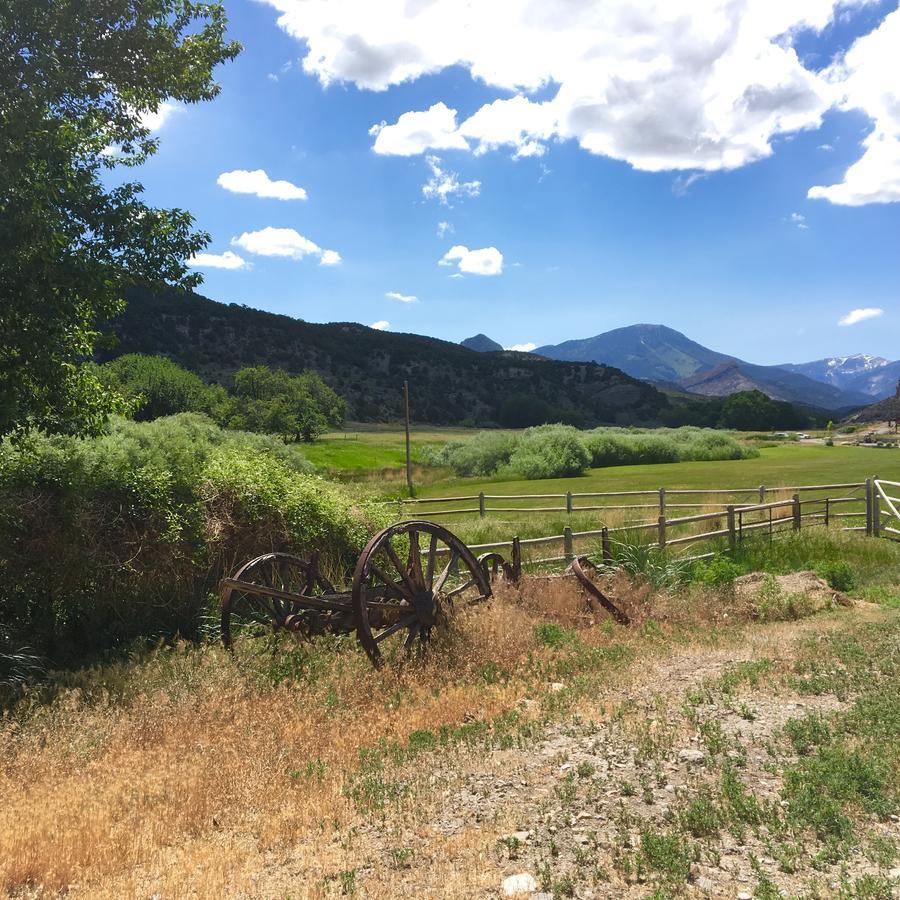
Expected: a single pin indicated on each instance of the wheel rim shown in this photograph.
(246, 616)
(495, 567)
(406, 577)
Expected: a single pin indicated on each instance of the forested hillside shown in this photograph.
(448, 383)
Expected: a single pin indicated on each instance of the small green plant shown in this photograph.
(627, 789)
(669, 855)
(807, 733)
(702, 816)
(839, 575)
(717, 572)
(401, 857)
(550, 634)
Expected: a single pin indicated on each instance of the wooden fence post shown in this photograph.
(827, 510)
(876, 509)
(732, 536)
(516, 559)
(662, 501)
(569, 502)
(481, 509)
(796, 511)
(661, 527)
(604, 543)
(568, 544)
(762, 493)
(868, 507)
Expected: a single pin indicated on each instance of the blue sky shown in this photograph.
(651, 169)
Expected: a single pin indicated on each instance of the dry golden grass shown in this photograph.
(193, 774)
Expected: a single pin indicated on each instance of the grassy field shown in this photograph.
(789, 464)
(367, 448)
(378, 451)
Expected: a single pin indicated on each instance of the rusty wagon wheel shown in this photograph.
(400, 587)
(496, 567)
(251, 612)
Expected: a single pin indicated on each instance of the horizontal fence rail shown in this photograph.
(876, 504)
(573, 502)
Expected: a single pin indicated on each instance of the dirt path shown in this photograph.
(567, 810)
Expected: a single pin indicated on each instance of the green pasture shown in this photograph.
(371, 447)
(786, 465)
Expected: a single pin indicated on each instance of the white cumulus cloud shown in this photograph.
(226, 260)
(242, 181)
(443, 185)
(860, 315)
(444, 228)
(522, 348)
(486, 261)
(381, 325)
(698, 85)
(403, 298)
(416, 132)
(284, 242)
(799, 220)
(153, 121)
(868, 78)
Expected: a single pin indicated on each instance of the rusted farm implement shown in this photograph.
(408, 579)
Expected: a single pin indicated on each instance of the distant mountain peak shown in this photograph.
(481, 343)
(873, 376)
(663, 355)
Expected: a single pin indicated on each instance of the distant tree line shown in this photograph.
(744, 411)
(268, 401)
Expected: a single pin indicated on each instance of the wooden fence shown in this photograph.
(664, 499)
(865, 502)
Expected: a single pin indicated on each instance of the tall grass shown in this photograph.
(552, 451)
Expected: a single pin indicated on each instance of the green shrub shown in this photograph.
(716, 572)
(838, 573)
(127, 535)
(482, 454)
(159, 387)
(549, 451)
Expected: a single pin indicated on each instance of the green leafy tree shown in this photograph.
(159, 387)
(754, 411)
(298, 407)
(78, 79)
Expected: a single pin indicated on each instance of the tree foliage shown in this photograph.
(78, 79)
(297, 407)
(155, 386)
(263, 400)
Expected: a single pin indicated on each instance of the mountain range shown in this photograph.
(872, 375)
(668, 358)
(448, 384)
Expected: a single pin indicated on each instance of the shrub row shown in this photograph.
(552, 451)
(108, 539)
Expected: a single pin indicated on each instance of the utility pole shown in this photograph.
(409, 481)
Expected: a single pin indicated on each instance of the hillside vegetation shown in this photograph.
(448, 383)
